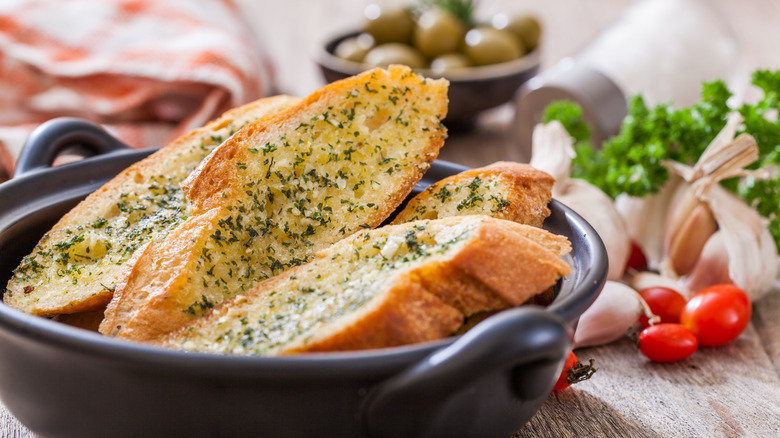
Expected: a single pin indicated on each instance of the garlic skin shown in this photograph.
(687, 233)
(645, 219)
(752, 253)
(712, 266)
(552, 153)
(645, 279)
(617, 308)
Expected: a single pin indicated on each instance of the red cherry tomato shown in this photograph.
(637, 260)
(667, 342)
(563, 379)
(664, 302)
(717, 314)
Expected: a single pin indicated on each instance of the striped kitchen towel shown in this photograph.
(147, 70)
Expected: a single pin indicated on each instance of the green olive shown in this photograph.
(394, 53)
(449, 62)
(354, 48)
(389, 24)
(438, 32)
(487, 45)
(525, 27)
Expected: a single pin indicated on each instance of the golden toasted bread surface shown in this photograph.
(75, 265)
(282, 189)
(383, 287)
(505, 190)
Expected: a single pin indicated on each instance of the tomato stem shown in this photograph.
(580, 372)
(652, 318)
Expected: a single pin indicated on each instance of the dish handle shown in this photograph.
(527, 343)
(55, 136)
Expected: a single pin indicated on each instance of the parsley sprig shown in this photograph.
(630, 162)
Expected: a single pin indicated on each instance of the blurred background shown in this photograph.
(293, 29)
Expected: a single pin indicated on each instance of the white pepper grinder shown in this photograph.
(661, 49)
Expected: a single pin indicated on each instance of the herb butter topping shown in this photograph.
(293, 184)
(347, 278)
(75, 255)
(74, 266)
(337, 171)
(478, 196)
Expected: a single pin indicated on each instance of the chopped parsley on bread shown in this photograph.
(504, 190)
(281, 189)
(384, 287)
(74, 267)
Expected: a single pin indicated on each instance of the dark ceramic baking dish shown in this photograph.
(64, 381)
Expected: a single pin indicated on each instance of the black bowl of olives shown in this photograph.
(485, 62)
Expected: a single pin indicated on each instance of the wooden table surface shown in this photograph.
(729, 391)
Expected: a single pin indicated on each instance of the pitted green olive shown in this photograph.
(389, 24)
(526, 28)
(394, 53)
(354, 48)
(487, 45)
(438, 32)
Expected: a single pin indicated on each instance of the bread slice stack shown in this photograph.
(281, 189)
(390, 286)
(74, 267)
(257, 234)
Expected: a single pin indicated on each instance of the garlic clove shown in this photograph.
(645, 279)
(552, 150)
(752, 252)
(598, 210)
(712, 266)
(645, 218)
(616, 309)
(681, 204)
(552, 153)
(689, 239)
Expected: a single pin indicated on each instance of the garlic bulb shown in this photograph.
(552, 152)
(616, 309)
(701, 227)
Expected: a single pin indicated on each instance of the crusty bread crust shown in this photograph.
(283, 188)
(493, 267)
(507, 265)
(408, 313)
(152, 268)
(74, 267)
(504, 190)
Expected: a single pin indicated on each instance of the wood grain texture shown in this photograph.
(729, 391)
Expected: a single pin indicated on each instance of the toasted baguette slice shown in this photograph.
(74, 266)
(282, 189)
(504, 190)
(379, 288)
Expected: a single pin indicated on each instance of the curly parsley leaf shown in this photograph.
(630, 162)
(588, 161)
(571, 117)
